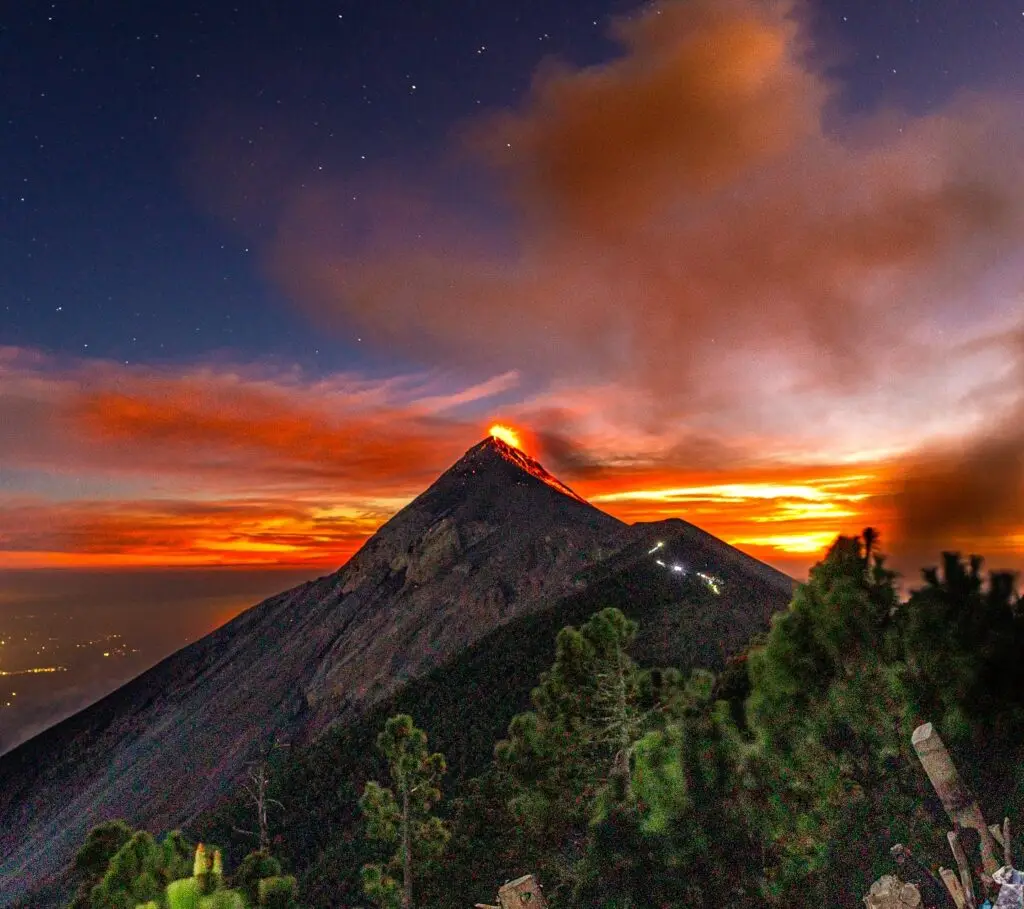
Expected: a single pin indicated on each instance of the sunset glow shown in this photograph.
(746, 293)
(236, 467)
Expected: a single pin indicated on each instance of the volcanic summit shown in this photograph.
(494, 538)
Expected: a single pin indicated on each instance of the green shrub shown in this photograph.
(278, 892)
(184, 894)
(256, 866)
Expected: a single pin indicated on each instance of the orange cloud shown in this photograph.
(702, 93)
(234, 429)
(166, 533)
(124, 466)
(129, 466)
(214, 465)
(692, 219)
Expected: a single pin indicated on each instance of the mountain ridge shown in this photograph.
(486, 541)
(493, 538)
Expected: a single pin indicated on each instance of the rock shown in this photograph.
(889, 892)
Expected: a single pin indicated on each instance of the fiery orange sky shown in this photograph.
(698, 281)
(110, 465)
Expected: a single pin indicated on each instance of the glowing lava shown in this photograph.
(507, 435)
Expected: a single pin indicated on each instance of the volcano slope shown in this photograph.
(466, 704)
(494, 538)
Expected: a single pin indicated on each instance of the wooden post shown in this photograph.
(957, 799)
(965, 870)
(522, 893)
(952, 883)
(1007, 848)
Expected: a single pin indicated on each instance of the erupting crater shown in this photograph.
(500, 442)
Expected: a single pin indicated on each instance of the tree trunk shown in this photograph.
(264, 827)
(625, 743)
(406, 852)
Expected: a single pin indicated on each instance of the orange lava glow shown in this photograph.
(142, 468)
(507, 435)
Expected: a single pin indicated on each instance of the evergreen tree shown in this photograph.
(677, 836)
(962, 640)
(255, 867)
(132, 877)
(835, 782)
(102, 843)
(486, 852)
(590, 709)
(401, 815)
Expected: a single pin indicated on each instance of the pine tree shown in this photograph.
(835, 783)
(401, 815)
(132, 875)
(677, 835)
(590, 709)
(962, 639)
(102, 843)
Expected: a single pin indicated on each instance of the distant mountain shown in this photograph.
(495, 538)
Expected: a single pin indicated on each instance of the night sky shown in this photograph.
(267, 268)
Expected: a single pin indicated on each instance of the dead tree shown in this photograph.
(256, 789)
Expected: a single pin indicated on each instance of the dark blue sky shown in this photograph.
(107, 250)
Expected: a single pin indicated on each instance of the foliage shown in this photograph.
(678, 836)
(590, 709)
(139, 871)
(91, 862)
(830, 710)
(255, 867)
(278, 892)
(401, 816)
(963, 639)
(844, 677)
(142, 874)
(782, 781)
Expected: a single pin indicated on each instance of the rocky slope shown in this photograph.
(493, 538)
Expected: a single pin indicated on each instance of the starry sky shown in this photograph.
(266, 269)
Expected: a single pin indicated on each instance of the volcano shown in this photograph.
(495, 539)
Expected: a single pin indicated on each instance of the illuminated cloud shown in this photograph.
(968, 492)
(695, 219)
(117, 466)
(703, 290)
(702, 94)
(232, 427)
(166, 533)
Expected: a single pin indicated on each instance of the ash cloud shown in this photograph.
(702, 94)
(697, 222)
(681, 220)
(969, 495)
